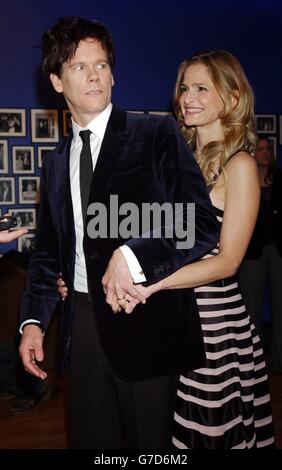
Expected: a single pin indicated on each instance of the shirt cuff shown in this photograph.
(133, 265)
(26, 322)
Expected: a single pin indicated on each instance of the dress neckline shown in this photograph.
(218, 210)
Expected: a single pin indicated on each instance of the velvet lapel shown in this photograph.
(111, 150)
(62, 175)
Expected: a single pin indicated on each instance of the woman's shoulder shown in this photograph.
(242, 171)
(241, 160)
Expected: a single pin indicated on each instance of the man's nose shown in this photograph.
(93, 75)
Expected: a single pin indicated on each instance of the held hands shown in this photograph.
(118, 284)
(128, 303)
(31, 350)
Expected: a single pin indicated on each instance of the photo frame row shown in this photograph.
(28, 190)
(23, 157)
(45, 128)
(23, 161)
(44, 124)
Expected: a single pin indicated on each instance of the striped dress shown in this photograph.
(226, 404)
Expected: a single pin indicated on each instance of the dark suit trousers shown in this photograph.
(106, 411)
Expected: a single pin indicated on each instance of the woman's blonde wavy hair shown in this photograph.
(237, 121)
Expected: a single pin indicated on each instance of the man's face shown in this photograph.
(86, 82)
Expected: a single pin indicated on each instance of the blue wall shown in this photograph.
(152, 37)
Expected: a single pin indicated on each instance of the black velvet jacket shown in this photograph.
(142, 159)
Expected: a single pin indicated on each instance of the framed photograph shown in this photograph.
(44, 125)
(66, 122)
(273, 141)
(26, 243)
(136, 112)
(7, 191)
(25, 217)
(12, 122)
(42, 151)
(3, 156)
(160, 113)
(280, 128)
(29, 189)
(265, 123)
(23, 159)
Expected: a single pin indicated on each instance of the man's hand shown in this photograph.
(31, 350)
(7, 236)
(117, 282)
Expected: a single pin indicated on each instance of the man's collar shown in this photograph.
(97, 126)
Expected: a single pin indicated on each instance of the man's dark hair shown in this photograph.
(59, 43)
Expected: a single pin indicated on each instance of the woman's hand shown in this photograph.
(128, 303)
(62, 288)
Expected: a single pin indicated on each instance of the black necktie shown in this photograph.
(86, 171)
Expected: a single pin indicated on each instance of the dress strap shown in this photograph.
(211, 185)
(235, 153)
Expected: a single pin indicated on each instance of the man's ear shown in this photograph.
(112, 80)
(235, 98)
(56, 82)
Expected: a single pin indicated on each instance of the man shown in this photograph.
(122, 367)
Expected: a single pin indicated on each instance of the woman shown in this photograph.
(227, 403)
(263, 260)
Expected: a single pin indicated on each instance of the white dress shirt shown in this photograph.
(97, 128)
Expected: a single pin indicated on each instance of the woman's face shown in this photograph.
(200, 102)
(263, 153)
